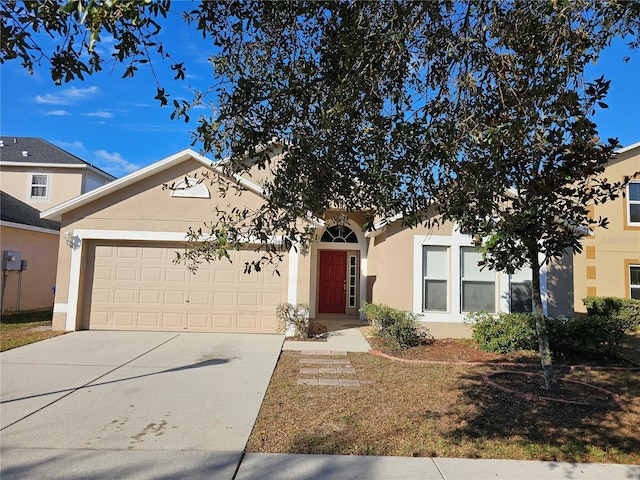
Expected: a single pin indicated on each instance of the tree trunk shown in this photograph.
(541, 326)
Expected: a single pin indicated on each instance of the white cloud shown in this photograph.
(67, 96)
(58, 113)
(99, 114)
(114, 164)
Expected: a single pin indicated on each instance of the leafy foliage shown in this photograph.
(400, 329)
(296, 316)
(503, 332)
(386, 108)
(509, 332)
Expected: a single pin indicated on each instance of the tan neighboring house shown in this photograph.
(34, 176)
(609, 264)
(117, 272)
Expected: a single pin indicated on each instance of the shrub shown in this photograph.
(399, 328)
(293, 320)
(503, 332)
(607, 320)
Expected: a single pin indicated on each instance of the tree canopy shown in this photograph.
(480, 108)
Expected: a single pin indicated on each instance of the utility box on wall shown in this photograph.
(11, 260)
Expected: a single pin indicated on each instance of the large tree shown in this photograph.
(479, 107)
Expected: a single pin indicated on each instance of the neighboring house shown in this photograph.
(34, 240)
(118, 272)
(609, 264)
(35, 175)
(42, 175)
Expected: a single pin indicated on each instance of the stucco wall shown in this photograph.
(142, 207)
(64, 183)
(602, 267)
(390, 264)
(41, 252)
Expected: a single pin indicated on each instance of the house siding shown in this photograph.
(602, 267)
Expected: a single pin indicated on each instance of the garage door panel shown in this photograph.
(139, 287)
(197, 321)
(124, 319)
(125, 296)
(126, 274)
(128, 253)
(150, 320)
(150, 297)
(247, 322)
(222, 322)
(173, 320)
(197, 299)
(103, 273)
(150, 274)
(248, 299)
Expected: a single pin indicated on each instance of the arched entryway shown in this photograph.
(340, 258)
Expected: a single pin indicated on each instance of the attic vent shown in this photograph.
(25, 153)
(190, 187)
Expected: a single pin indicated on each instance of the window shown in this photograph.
(634, 281)
(339, 234)
(39, 183)
(353, 262)
(520, 293)
(435, 272)
(478, 287)
(633, 204)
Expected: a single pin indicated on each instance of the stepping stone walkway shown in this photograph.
(313, 362)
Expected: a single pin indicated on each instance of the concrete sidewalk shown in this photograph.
(269, 466)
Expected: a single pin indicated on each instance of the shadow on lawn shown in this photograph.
(555, 431)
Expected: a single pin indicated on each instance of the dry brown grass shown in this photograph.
(19, 329)
(443, 410)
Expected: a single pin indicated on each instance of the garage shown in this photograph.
(137, 286)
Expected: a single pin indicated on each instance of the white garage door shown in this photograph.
(138, 287)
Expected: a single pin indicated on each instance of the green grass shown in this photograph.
(17, 329)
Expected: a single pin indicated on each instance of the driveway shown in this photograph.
(96, 405)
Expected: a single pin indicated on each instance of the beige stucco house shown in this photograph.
(609, 264)
(34, 176)
(118, 270)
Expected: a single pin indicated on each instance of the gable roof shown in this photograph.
(56, 212)
(15, 211)
(31, 151)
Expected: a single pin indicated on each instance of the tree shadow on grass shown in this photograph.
(555, 431)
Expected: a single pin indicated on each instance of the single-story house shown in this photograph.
(117, 269)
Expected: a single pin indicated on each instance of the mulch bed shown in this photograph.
(523, 381)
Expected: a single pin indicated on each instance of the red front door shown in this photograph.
(333, 276)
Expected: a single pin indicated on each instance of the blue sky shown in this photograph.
(116, 124)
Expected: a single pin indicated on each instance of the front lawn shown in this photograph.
(408, 409)
(18, 329)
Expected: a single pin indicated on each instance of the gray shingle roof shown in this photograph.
(38, 151)
(15, 211)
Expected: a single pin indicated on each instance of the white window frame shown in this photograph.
(631, 202)
(46, 186)
(454, 242)
(475, 279)
(444, 276)
(633, 286)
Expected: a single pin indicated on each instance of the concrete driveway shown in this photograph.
(96, 405)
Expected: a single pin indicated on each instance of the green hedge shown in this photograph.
(503, 332)
(601, 331)
(398, 328)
